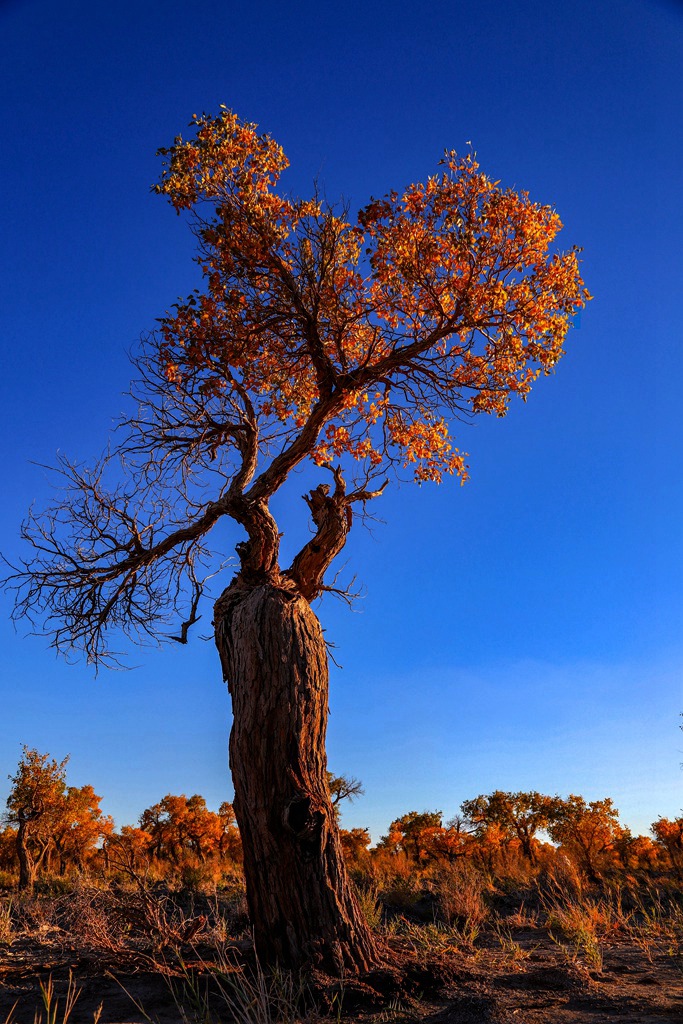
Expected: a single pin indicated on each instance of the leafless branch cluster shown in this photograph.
(113, 553)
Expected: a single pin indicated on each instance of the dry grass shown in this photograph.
(510, 947)
(656, 925)
(6, 929)
(56, 1011)
(438, 913)
(226, 990)
(523, 918)
(461, 905)
(583, 925)
(370, 905)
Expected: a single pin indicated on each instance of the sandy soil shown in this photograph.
(536, 983)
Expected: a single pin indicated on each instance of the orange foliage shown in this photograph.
(355, 842)
(412, 834)
(79, 827)
(669, 835)
(8, 849)
(362, 336)
(53, 820)
(446, 844)
(353, 343)
(128, 850)
(589, 831)
(639, 853)
(62, 827)
(179, 825)
(502, 818)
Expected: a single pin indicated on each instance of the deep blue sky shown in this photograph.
(524, 631)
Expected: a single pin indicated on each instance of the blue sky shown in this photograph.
(524, 631)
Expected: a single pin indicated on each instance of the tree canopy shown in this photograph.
(52, 818)
(353, 343)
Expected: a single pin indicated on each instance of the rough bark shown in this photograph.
(332, 517)
(274, 659)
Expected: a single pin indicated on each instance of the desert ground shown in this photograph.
(170, 957)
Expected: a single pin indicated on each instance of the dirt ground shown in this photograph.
(534, 981)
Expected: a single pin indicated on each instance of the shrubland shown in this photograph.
(511, 873)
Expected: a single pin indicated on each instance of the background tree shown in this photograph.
(58, 826)
(342, 787)
(588, 831)
(78, 826)
(638, 853)
(155, 822)
(451, 843)
(345, 344)
(519, 815)
(668, 833)
(229, 842)
(8, 849)
(355, 842)
(178, 824)
(35, 805)
(128, 850)
(412, 833)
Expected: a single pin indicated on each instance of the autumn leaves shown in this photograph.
(444, 298)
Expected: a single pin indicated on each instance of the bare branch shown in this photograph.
(111, 557)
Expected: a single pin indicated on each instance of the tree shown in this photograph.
(450, 843)
(229, 842)
(35, 805)
(180, 824)
(586, 830)
(345, 345)
(638, 853)
(128, 850)
(78, 826)
(519, 815)
(669, 834)
(342, 787)
(53, 820)
(355, 842)
(8, 849)
(412, 833)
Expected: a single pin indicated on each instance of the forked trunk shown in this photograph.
(301, 904)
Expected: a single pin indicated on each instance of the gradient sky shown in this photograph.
(524, 631)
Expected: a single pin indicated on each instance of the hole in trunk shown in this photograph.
(298, 814)
(306, 825)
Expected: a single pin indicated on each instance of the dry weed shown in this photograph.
(93, 917)
(510, 947)
(56, 1013)
(371, 908)
(582, 924)
(430, 939)
(522, 918)
(460, 894)
(6, 929)
(225, 990)
(403, 892)
(656, 926)
(36, 915)
(563, 877)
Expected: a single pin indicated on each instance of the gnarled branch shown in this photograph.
(333, 517)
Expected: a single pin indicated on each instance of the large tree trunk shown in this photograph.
(274, 659)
